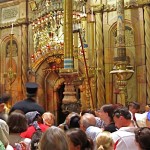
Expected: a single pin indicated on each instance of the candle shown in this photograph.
(92, 15)
(92, 11)
(12, 26)
(84, 13)
(83, 9)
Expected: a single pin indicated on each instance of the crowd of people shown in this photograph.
(112, 127)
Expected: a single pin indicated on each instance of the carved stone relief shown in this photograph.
(10, 14)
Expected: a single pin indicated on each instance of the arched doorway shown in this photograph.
(61, 115)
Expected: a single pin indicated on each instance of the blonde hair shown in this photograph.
(104, 141)
(48, 118)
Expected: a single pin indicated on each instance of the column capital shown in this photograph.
(97, 8)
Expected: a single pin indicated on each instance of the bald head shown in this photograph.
(87, 120)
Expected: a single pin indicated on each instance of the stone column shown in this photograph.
(122, 68)
(68, 35)
(99, 58)
(24, 59)
(147, 43)
(68, 72)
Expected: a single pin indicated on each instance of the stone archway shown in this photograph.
(58, 96)
(52, 99)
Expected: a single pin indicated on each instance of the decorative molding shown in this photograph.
(128, 5)
(98, 8)
(143, 2)
(49, 55)
(16, 23)
(10, 13)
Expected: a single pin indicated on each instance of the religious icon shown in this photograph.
(14, 49)
(33, 5)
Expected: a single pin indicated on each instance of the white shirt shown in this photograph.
(124, 139)
(141, 119)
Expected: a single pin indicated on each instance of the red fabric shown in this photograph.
(134, 117)
(115, 145)
(29, 132)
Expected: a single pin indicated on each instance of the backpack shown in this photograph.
(36, 136)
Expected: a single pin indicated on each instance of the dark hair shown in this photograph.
(79, 137)
(108, 108)
(117, 105)
(142, 136)
(35, 139)
(5, 98)
(17, 122)
(123, 112)
(88, 111)
(74, 122)
(134, 104)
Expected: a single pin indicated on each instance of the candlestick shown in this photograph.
(12, 28)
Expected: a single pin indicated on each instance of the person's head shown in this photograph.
(122, 117)
(104, 141)
(134, 107)
(74, 122)
(66, 125)
(78, 140)
(33, 116)
(17, 122)
(106, 113)
(4, 100)
(87, 120)
(19, 111)
(147, 107)
(118, 105)
(31, 89)
(48, 118)
(70, 115)
(6, 97)
(89, 111)
(142, 137)
(54, 138)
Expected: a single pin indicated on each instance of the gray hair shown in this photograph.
(88, 120)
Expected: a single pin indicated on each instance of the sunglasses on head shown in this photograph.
(117, 114)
